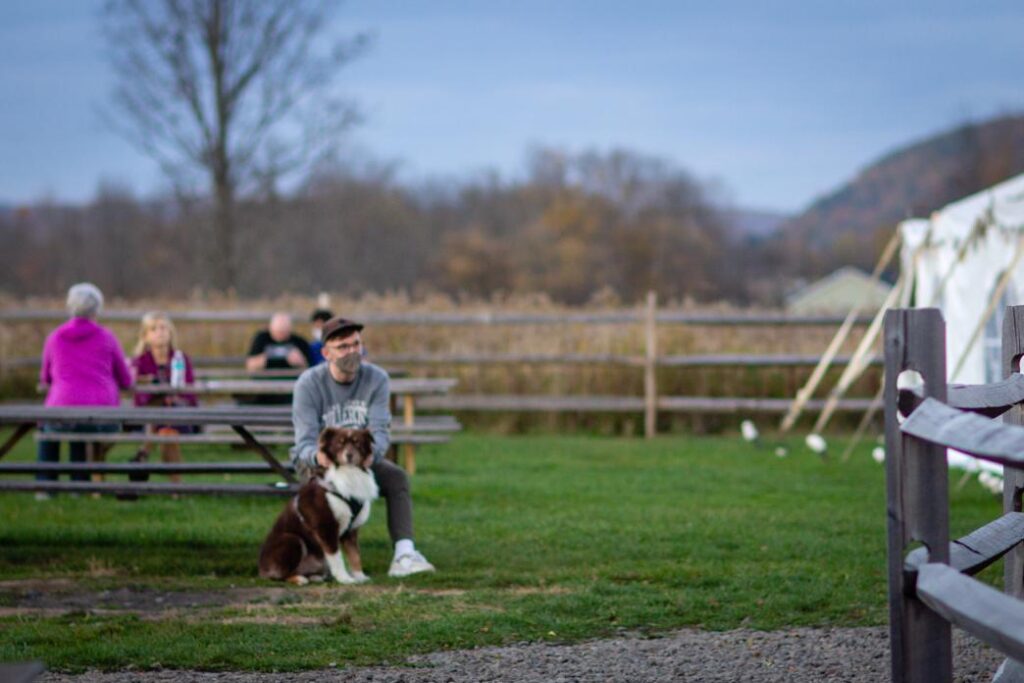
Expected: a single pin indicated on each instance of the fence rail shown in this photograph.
(978, 549)
(624, 316)
(930, 586)
(387, 359)
(627, 404)
(650, 360)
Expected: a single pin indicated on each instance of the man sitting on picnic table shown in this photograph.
(351, 393)
(277, 348)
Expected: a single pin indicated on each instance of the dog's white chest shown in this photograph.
(355, 484)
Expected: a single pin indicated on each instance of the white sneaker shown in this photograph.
(42, 495)
(409, 563)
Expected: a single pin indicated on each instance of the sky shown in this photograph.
(772, 103)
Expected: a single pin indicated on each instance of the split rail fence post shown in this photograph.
(917, 499)
(1013, 478)
(650, 364)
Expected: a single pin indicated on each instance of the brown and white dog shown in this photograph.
(325, 514)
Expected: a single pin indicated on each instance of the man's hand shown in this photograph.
(322, 459)
(296, 358)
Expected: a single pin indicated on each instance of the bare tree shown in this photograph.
(238, 90)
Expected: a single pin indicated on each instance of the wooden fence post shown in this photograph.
(917, 499)
(650, 362)
(408, 449)
(1013, 478)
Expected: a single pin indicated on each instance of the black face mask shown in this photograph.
(349, 363)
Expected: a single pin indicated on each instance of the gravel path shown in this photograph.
(799, 655)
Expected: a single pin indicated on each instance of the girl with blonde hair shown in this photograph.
(152, 365)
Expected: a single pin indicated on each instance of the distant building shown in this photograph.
(838, 293)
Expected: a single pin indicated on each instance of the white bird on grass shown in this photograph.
(992, 482)
(816, 443)
(749, 431)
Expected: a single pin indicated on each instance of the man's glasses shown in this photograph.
(345, 348)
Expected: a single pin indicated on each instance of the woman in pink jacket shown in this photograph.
(83, 365)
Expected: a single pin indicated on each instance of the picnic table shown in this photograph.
(252, 426)
(408, 431)
(25, 417)
(408, 388)
(403, 390)
(225, 372)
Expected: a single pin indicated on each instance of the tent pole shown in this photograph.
(876, 402)
(865, 420)
(857, 361)
(804, 394)
(997, 294)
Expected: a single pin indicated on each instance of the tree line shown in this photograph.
(618, 223)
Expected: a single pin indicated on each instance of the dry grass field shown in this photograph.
(23, 339)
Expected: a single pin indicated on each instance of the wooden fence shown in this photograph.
(646, 319)
(930, 586)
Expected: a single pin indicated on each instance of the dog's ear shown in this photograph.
(367, 441)
(366, 447)
(326, 437)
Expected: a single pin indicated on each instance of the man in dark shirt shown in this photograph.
(277, 348)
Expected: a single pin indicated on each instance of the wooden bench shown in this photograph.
(256, 429)
(24, 418)
(418, 433)
(138, 472)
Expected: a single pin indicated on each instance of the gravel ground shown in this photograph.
(799, 655)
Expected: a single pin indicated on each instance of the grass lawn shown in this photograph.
(535, 538)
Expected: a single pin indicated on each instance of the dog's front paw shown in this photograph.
(360, 577)
(297, 580)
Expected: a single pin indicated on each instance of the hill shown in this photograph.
(848, 226)
(754, 223)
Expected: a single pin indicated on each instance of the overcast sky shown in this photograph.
(776, 102)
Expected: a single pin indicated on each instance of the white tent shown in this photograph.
(955, 261)
(970, 243)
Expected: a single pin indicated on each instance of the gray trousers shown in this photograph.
(394, 487)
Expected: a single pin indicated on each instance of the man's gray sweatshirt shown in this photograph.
(320, 401)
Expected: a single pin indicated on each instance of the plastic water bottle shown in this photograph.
(178, 369)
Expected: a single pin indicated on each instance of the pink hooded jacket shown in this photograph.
(84, 365)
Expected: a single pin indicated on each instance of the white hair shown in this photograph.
(85, 300)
